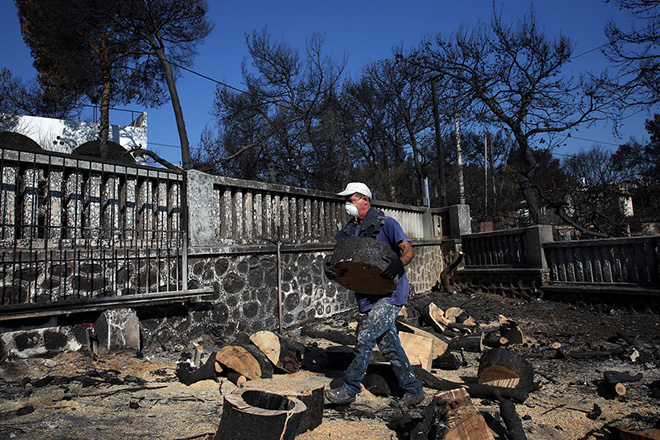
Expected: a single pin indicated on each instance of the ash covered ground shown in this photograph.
(128, 395)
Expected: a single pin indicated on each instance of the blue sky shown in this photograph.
(363, 30)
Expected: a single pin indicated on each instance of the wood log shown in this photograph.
(629, 339)
(304, 386)
(330, 335)
(358, 263)
(448, 361)
(440, 343)
(621, 376)
(456, 314)
(495, 340)
(249, 414)
(340, 356)
(614, 381)
(246, 360)
(434, 316)
(188, 375)
(451, 415)
(236, 378)
(511, 330)
(419, 349)
(576, 354)
(511, 420)
(283, 353)
(472, 343)
(503, 368)
(646, 434)
(484, 391)
(380, 380)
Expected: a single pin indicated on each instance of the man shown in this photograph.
(377, 326)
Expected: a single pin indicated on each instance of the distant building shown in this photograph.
(69, 137)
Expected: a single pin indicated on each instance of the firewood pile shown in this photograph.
(492, 367)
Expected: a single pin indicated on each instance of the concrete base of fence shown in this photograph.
(117, 329)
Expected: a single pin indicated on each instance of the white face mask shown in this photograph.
(351, 209)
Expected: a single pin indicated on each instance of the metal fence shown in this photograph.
(75, 229)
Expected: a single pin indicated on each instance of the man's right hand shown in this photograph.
(326, 268)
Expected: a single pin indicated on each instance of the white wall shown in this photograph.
(64, 136)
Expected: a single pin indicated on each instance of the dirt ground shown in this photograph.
(79, 395)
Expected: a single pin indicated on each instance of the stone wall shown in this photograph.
(246, 299)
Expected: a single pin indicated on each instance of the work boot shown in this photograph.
(411, 399)
(339, 396)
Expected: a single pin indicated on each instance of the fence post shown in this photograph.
(203, 223)
(427, 224)
(535, 236)
(459, 220)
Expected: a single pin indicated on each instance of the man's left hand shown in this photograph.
(393, 269)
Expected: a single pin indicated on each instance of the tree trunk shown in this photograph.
(104, 120)
(176, 104)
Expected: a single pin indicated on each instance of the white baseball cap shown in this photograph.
(356, 187)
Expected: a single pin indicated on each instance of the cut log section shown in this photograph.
(249, 414)
(453, 416)
(419, 349)
(280, 351)
(248, 361)
(304, 386)
(510, 330)
(456, 314)
(358, 263)
(503, 368)
(435, 317)
(440, 343)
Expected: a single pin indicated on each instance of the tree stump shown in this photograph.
(249, 414)
(304, 386)
(358, 263)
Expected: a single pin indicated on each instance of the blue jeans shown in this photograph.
(378, 328)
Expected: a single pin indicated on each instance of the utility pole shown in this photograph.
(486, 172)
(492, 170)
(459, 162)
(438, 145)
